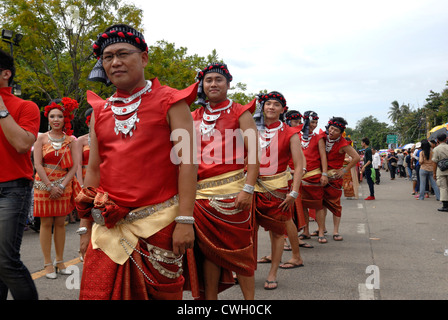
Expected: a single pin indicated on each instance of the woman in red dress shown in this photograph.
(55, 188)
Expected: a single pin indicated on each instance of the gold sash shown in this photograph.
(312, 173)
(274, 182)
(228, 185)
(108, 240)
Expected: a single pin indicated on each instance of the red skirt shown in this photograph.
(332, 197)
(269, 215)
(312, 194)
(226, 240)
(103, 279)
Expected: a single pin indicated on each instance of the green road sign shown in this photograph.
(392, 138)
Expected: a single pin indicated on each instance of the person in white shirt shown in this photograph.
(376, 163)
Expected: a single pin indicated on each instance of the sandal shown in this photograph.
(322, 240)
(267, 284)
(292, 265)
(337, 237)
(265, 259)
(306, 245)
(287, 247)
(316, 233)
(303, 236)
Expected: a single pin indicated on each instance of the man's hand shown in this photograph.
(243, 201)
(183, 238)
(287, 203)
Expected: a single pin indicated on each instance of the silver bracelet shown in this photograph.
(81, 231)
(184, 219)
(325, 174)
(248, 188)
(61, 186)
(294, 194)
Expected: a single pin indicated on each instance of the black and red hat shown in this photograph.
(119, 33)
(217, 67)
(116, 34)
(274, 95)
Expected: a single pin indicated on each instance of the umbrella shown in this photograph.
(438, 127)
(436, 133)
(408, 146)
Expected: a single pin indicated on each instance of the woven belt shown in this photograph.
(277, 176)
(136, 215)
(51, 166)
(40, 185)
(216, 183)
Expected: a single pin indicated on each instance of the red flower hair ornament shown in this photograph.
(67, 107)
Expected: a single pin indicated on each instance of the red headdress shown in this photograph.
(67, 107)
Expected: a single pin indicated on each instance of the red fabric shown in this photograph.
(269, 215)
(332, 197)
(229, 245)
(26, 114)
(333, 192)
(91, 197)
(221, 149)
(43, 205)
(298, 214)
(335, 158)
(275, 158)
(156, 179)
(103, 279)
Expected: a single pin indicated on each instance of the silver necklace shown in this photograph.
(56, 143)
(128, 125)
(212, 116)
(306, 142)
(330, 143)
(267, 135)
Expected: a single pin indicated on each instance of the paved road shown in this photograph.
(396, 239)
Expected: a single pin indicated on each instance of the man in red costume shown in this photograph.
(336, 147)
(274, 201)
(223, 213)
(315, 177)
(140, 200)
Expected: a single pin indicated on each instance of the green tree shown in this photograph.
(55, 54)
(371, 128)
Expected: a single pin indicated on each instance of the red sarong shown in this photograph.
(230, 245)
(312, 194)
(332, 197)
(269, 215)
(103, 279)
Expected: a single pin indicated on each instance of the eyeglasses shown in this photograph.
(122, 55)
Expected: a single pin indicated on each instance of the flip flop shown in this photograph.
(337, 237)
(293, 265)
(306, 245)
(265, 259)
(316, 233)
(302, 236)
(267, 283)
(322, 240)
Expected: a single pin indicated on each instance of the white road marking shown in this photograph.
(361, 228)
(364, 293)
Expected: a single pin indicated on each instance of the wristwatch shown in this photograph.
(4, 114)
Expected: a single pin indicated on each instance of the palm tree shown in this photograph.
(394, 112)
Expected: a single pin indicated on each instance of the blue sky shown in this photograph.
(348, 58)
